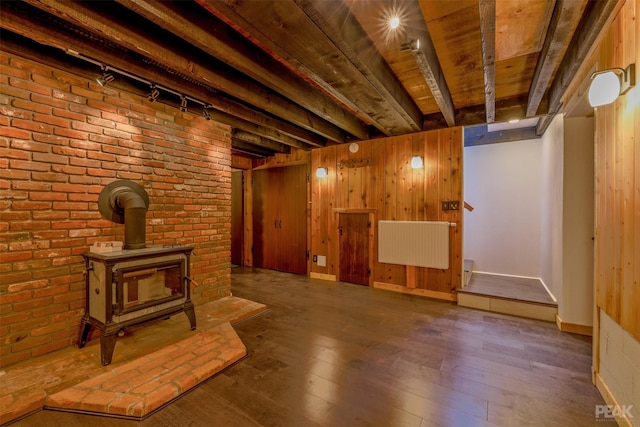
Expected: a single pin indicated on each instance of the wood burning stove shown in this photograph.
(131, 286)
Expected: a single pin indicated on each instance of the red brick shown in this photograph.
(31, 106)
(50, 347)
(22, 276)
(14, 133)
(50, 139)
(70, 133)
(49, 177)
(32, 126)
(51, 120)
(46, 100)
(30, 86)
(50, 309)
(29, 343)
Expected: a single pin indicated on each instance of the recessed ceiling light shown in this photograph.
(394, 22)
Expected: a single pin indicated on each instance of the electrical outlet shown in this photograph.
(445, 206)
(315, 258)
(454, 205)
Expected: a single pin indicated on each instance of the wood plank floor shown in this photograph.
(333, 354)
(517, 288)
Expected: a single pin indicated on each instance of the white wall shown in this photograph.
(551, 206)
(577, 225)
(503, 184)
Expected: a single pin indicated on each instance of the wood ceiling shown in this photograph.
(307, 73)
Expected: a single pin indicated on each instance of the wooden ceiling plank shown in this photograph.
(186, 20)
(224, 111)
(111, 28)
(594, 19)
(310, 54)
(565, 14)
(348, 36)
(488, 31)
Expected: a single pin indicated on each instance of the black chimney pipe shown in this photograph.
(126, 202)
(135, 213)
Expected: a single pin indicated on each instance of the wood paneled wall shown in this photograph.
(617, 157)
(386, 187)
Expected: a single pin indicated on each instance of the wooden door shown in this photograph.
(293, 219)
(280, 219)
(354, 248)
(237, 217)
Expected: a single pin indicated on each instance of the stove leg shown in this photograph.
(191, 314)
(107, 345)
(85, 328)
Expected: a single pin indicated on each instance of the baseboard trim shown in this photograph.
(573, 328)
(416, 291)
(321, 276)
(604, 390)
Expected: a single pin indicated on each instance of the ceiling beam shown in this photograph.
(480, 135)
(594, 18)
(187, 21)
(260, 141)
(429, 65)
(106, 24)
(505, 110)
(348, 36)
(286, 32)
(247, 147)
(565, 14)
(224, 111)
(488, 30)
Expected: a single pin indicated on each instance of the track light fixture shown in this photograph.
(183, 103)
(154, 93)
(106, 77)
(205, 112)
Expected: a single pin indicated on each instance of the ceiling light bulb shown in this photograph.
(513, 121)
(604, 89)
(394, 22)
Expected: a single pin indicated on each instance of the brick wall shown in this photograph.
(62, 139)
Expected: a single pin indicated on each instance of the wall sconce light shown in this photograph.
(416, 162)
(321, 172)
(154, 93)
(105, 78)
(607, 85)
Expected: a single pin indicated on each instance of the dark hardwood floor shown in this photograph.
(333, 354)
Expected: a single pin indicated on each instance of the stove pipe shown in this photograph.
(135, 214)
(126, 202)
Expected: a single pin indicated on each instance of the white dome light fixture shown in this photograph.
(607, 85)
(416, 162)
(321, 172)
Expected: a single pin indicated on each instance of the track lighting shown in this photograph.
(607, 85)
(154, 93)
(105, 78)
(205, 112)
(183, 103)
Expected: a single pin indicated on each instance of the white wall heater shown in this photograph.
(417, 243)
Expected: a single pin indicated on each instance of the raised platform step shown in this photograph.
(152, 365)
(496, 304)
